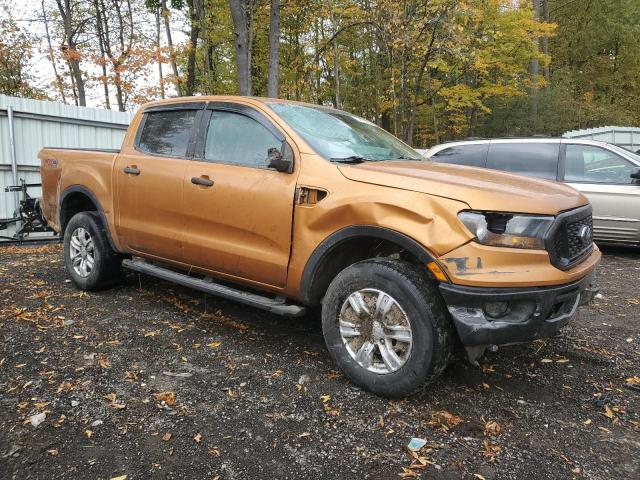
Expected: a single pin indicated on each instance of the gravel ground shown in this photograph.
(150, 380)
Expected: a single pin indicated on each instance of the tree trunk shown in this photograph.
(534, 70)
(336, 63)
(239, 11)
(195, 18)
(52, 59)
(159, 54)
(71, 52)
(273, 75)
(172, 51)
(545, 45)
(103, 64)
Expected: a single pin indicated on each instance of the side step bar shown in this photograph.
(274, 305)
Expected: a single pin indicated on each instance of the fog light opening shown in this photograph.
(496, 309)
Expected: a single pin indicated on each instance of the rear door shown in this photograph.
(604, 177)
(238, 211)
(150, 181)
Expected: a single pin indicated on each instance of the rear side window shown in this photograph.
(586, 163)
(167, 132)
(239, 140)
(533, 159)
(473, 155)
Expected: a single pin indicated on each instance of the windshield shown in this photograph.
(340, 136)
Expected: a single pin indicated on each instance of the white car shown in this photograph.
(607, 174)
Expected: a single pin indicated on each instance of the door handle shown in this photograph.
(131, 170)
(204, 181)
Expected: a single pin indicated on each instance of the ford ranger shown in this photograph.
(284, 205)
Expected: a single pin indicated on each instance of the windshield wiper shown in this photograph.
(353, 159)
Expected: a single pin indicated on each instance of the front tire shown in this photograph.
(386, 327)
(89, 259)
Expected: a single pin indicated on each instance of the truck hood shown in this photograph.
(481, 189)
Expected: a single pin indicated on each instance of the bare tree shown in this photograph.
(72, 28)
(273, 75)
(242, 16)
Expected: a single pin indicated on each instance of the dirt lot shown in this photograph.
(153, 381)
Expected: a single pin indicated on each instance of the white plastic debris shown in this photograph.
(416, 444)
(37, 419)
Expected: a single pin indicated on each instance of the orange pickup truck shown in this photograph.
(285, 205)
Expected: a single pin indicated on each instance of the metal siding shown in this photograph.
(50, 124)
(627, 137)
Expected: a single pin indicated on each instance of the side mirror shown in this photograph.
(278, 161)
(635, 174)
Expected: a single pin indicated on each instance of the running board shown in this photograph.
(274, 305)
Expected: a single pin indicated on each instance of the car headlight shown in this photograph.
(501, 229)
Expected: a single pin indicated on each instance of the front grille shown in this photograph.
(570, 239)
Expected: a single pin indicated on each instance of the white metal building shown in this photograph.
(28, 125)
(626, 137)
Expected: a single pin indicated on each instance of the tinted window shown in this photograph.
(585, 163)
(472, 155)
(167, 133)
(238, 139)
(534, 159)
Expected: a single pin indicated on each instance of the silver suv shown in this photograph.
(607, 174)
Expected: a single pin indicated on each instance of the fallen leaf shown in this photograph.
(407, 473)
(633, 380)
(325, 398)
(166, 437)
(167, 397)
(88, 433)
(608, 412)
(444, 419)
(214, 344)
(304, 434)
(197, 437)
(546, 360)
(491, 428)
(587, 421)
(53, 452)
(121, 477)
(214, 451)
(478, 476)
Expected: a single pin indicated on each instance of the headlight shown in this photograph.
(501, 229)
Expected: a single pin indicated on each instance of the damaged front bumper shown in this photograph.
(500, 316)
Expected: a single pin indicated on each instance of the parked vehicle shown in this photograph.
(288, 205)
(608, 175)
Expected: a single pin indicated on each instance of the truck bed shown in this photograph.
(91, 168)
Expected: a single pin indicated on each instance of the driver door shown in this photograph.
(604, 178)
(238, 211)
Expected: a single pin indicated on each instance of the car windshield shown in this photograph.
(341, 137)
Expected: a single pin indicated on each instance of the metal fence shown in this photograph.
(28, 125)
(626, 137)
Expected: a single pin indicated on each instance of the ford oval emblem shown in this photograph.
(584, 234)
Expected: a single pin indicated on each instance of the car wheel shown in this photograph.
(88, 257)
(387, 327)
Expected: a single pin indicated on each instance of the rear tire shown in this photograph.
(88, 256)
(387, 327)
